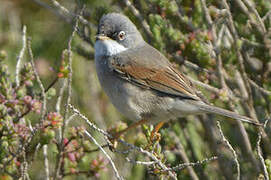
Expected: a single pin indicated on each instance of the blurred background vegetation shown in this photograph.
(225, 44)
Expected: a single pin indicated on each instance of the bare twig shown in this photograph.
(51, 84)
(43, 94)
(89, 123)
(25, 175)
(20, 57)
(259, 152)
(68, 16)
(262, 90)
(205, 86)
(69, 78)
(60, 96)
(258, 19)
(249, 13)
(46, 162)
(59, 159)
(184, 156)
(198, 163)
(266, 15)
(214, 44)
(251, 43)
(191, 65)
(53, 10)
(188, 23)
(136, 13)
(70, 118)
(65, 11)
(105, 153)
(231, 149)
(145, 163)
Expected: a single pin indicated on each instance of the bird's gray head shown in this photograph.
(116, 33)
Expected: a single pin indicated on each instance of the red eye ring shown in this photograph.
(121, 35)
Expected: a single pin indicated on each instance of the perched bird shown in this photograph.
(140, 81)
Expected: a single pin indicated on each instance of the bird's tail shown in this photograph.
(216, 110)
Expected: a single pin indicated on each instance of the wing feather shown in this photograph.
(159, 75)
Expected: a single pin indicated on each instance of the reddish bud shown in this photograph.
(73, 171)
(27, 99)
(18, 163)
(65, 141)
(71, 157)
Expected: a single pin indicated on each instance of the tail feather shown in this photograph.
(230, 114)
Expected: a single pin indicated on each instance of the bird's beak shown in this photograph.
(101, 37)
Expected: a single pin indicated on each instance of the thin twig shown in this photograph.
(262, 90)
(249, 14)
(65, 11)
(68, 17)
(46, 162)
(205, 86)
(143, 22)
(145, 163)
(183, 155)
(43, 94)
(59, 159)
(231, 149)
(53, 10)
(191, 65)
(70, 118)
(69, 77)
(187, 23)
(198, 163)
(89, 123)
(51, 84)
(266, 15)
(214, 44)
(20, 57)
(60, 96)
(105, 153)
(25, 175)
(257, 17)
(259, 152)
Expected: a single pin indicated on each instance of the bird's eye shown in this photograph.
(121, 35)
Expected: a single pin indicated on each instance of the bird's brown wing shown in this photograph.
(154, 72)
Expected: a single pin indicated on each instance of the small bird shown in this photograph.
(140, 81)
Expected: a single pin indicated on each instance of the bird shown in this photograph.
(141, 82)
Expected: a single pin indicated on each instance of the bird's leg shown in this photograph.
(154, 132)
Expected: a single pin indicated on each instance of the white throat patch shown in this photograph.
(108, 48)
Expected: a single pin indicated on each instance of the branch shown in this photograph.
(137, 14)
(259, 152)
(66, 12)
(198, 163)
(20, 57)
(231, 149)
(43, 95)
(105, 153)
(46, 163)
(59, 158)
(214, 44)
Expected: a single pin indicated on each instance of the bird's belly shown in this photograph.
(123, 99)
(118, 91)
